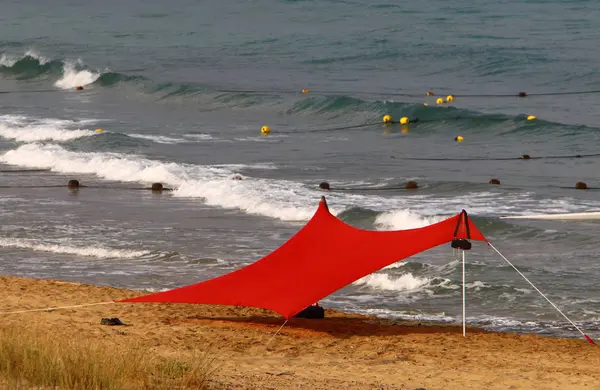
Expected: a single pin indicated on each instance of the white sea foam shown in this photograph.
(74, 77)
(22, 120)
(35, 54)
(406, 282)
(281, 199)
(14, 119)
(234, 167)
(93, 251)
(41, 133)
(202, 137)
(8, 61)
(285, 200)
(161, 139)
(25, 129)
(403, 219)
(275, 198)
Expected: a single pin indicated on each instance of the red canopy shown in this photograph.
(324, 256)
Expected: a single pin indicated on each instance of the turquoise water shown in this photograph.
(181, 92)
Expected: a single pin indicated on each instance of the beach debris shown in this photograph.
(73, 184)
(111, 321)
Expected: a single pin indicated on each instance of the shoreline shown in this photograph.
(341, 351)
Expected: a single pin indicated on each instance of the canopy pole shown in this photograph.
(588, 338)
(278, 330)
(464, 325)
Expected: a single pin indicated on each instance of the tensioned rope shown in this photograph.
(87, 186)
(56, 308)
(404, 94)
(522, 157)
(351, 92)
(589, 339)
(33, 91)
(316, 130)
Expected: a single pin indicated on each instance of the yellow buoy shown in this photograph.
(440, 101)
(531, 117)
(387, 119)
(404, 120)
(305, 90)
(449, 98)
(459, 138)
(265, 130)
(99, 131)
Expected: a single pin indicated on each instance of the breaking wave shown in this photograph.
(23, 129)
(41, 133)
(403, 219)
(99, 252)
(287, 200)
(69, 73)
(381, 281)
(75, 74)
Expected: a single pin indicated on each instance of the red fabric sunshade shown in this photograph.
(324, 256)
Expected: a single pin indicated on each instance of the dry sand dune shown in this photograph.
(341, 352)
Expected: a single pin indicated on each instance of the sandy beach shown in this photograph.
(341, 352)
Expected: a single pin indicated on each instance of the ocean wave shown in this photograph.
(380, 281)
(160, 139)
(332, 105)
(404, 219)
(92, 251)
(75, 74)
(24, 129)
(41, 133)
(286, 200)
(29, 66)
(70, 73)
